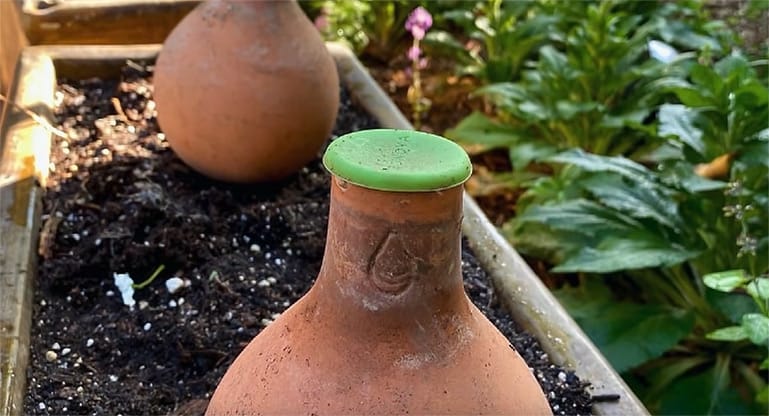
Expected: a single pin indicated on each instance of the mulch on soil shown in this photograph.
(119, 201)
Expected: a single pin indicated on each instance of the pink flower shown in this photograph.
(418, 22)
(321, 22)
(413, 53)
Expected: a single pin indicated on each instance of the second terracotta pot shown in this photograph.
(387, 328)
(246, 90)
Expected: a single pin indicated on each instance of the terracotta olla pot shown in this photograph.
(387, 328)
(246, 90)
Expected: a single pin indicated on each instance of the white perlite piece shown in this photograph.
(174, 284)
(124, 284)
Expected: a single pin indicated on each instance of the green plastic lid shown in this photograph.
(398, 160)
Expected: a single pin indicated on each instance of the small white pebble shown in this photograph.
(42, 302)
(41, 406)
(266, 321)
(562, 376)
(89, 342)
(241, 277)
(147, 326)
(76, 237)
(113, 378)
(80, 389)
(278, 261)
(51, 356)
(174, 284)
(180, 301)
(124, 283)
(272, 280)
(56, 346)
(171, 303)
(110, 293)
(65, 351)
(255, 248)
(263, 283)
(275, 316)
(143, 304)
(268, 256)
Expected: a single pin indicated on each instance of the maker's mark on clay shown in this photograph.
(391, 267)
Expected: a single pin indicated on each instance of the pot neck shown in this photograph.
(392, 255)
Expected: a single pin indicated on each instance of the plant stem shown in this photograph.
(150, 279)
(753, 380)
(416, 104)
(39, 119)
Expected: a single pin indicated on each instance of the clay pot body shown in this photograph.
(387, 328)
(246, 90)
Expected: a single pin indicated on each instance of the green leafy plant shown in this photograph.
(492, 27)
(593, 90)
(645, 244)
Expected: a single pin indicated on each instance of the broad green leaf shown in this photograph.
(692, 96)
(759, 288)
(729, 333)
(731, 305)
(628, 334)
(733, 66)
(754, 153)
(596, 163)
(751, 95)
(706, 79)
(677, 32)
(566, 109)
(526, 152)
(689, 95)
(636, 200)
(667, 370)
(725, 281)
(637, 250)
(479, 129)
(579, 215)
(538, 240)
(633, 118)
(764, 365)
(678, 120)
(762, 396)
(442, 40)
(680, 174)
(704, 393)
(552, 58)
(756, 327)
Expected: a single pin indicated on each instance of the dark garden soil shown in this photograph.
(119, 201)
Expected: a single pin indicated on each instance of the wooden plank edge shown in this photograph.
(23, 166)
(77, 22)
